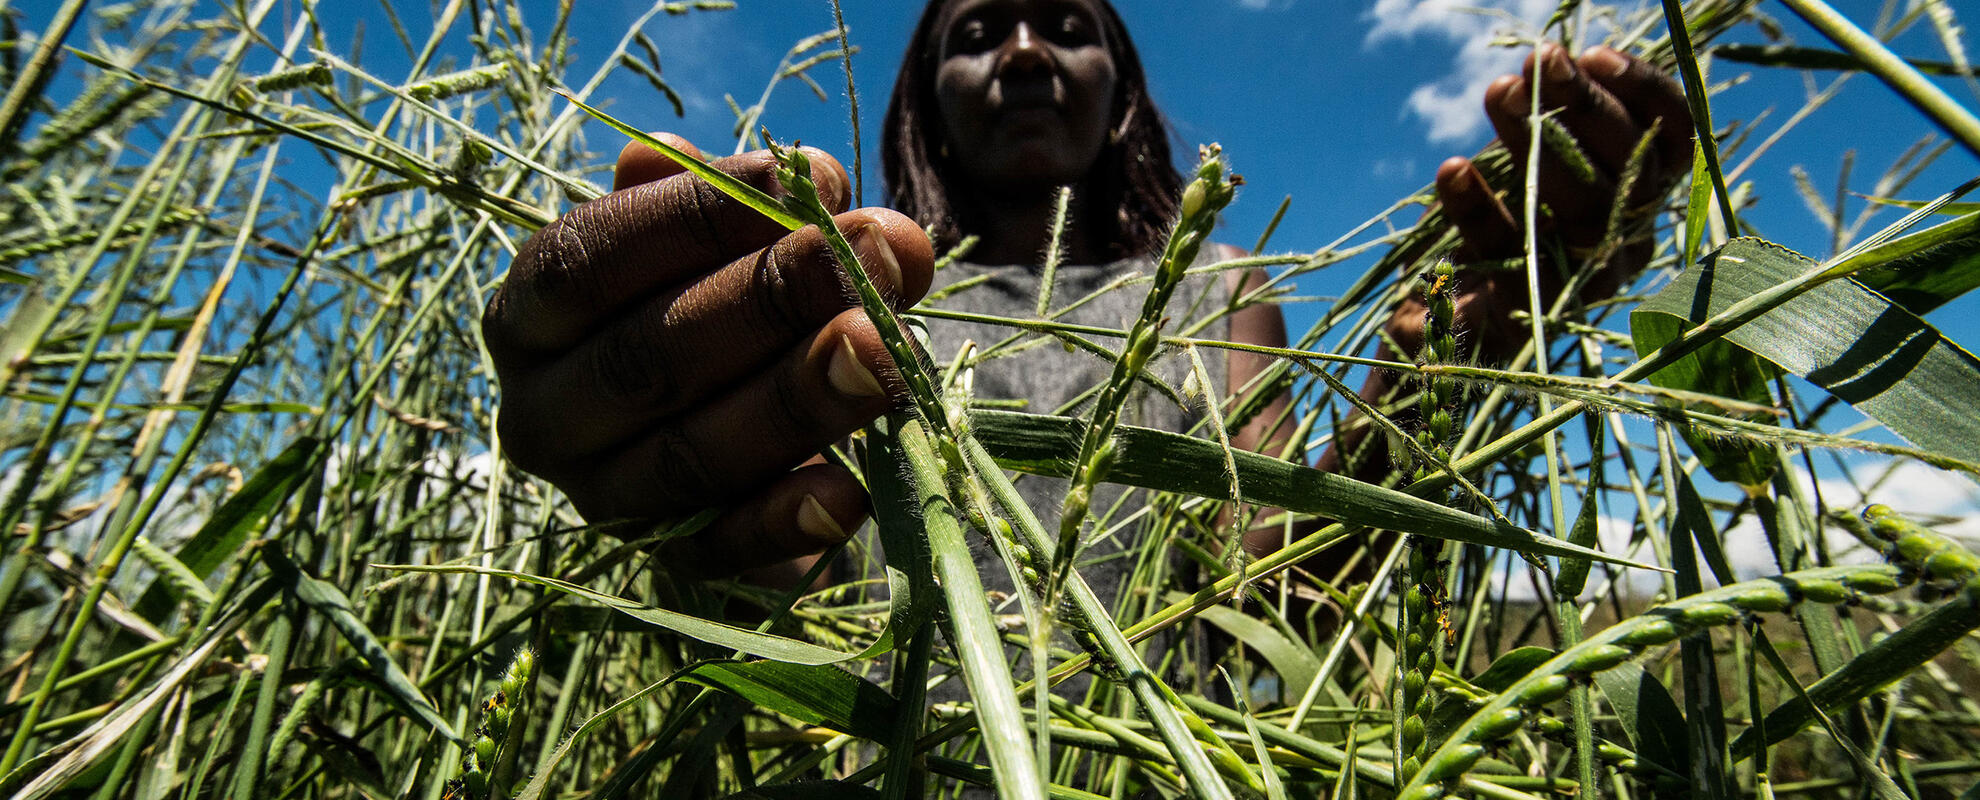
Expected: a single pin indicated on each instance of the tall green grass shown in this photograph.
(262, 543)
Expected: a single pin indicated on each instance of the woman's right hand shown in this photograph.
(666, 348)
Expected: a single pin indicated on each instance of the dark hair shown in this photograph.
(1132, 190)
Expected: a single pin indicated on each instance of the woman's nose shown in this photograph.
(1024, 51)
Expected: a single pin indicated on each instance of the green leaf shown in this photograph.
(1293, 661)
(1649, 715)
(238, 519)
(326, 599)
(742, 192)
(1841, 336)
(912, 596)
(816, 694)
(747, 642)
(1170, 462)
(1717, 368)
(1572, 576)
(18, 335)
(1930, 278)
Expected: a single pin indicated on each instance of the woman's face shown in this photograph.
(1026, 90)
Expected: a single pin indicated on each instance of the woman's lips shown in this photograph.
(1009, 98)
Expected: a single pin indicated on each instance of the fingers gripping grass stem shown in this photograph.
(1207, 194)
(803, 205)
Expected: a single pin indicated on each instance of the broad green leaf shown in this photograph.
(1170, 462)
(243, 514)
(1294, 662)
(911, 591)
(747, 642)
(1572, 576)
(908, 455)
(1930, 278)
(1650, 717)
(238, 519)
(326, 599)
(1717, 368)
(1841, 336)
(817, 694)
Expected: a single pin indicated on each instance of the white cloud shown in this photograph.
(1394, 168)
(1451, 104)
(1265, 5)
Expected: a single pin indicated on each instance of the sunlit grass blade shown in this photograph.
(1176, 463)
(748, 195)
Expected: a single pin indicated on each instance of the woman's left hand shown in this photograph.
(1607, 100)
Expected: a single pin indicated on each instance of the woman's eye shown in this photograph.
(973, 36)
(1073, 30)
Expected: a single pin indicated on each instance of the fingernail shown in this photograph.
(812, 519)
(1518, 98)
(849, 376)
(833, 190)
(876, 253)
(1618, 63)
(1458, 197)
(1560, 69)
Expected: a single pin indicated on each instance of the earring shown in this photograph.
(943, 151)
(1119, 132)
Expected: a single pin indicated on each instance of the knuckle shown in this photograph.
(797, 283)
(770, 290)
(630, 368)
(553, 264)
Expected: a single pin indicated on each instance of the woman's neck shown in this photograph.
(1015, 227)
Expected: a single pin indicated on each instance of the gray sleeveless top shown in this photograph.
(1038, 371)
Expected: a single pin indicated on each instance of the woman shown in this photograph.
(664, 348)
